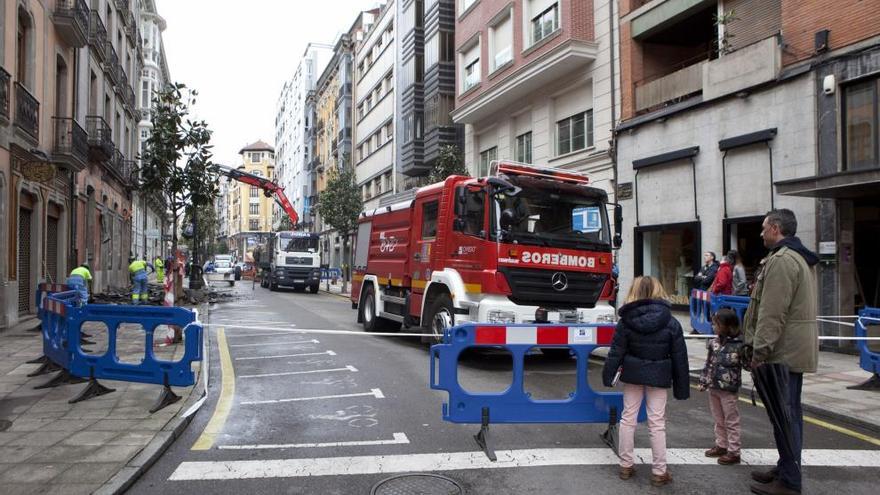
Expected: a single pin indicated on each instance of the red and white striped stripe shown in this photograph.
(702, 295)
(47, 287)
(543, 335)
(55, 307)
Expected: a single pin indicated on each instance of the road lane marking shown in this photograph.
(313, 341)
(450, 461)
(224, 402)
(263, 334)
(287, 373)
(820, 423)
(325, 353)
(372, 393)
(324, 331)
(399, 439)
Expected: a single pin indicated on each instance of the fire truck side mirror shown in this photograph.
(618, 226)
(508, 218)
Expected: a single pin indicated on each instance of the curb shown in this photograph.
(146, 457)
(337, 294)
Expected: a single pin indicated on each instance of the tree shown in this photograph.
(340, 204)
(449, 162)
(285, 223)
(205, 225)
(176, 164)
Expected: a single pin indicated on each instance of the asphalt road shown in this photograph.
(337, 414)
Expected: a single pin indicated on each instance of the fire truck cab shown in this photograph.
(522, 245)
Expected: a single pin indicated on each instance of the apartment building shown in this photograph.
(149, 220)
(426, 94)
(375, 77)
(249, 211)
(290, 129)
(329, 108)
(734, 107)
(535, 84)
(67, 143)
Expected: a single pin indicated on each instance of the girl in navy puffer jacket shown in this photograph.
(649, 351)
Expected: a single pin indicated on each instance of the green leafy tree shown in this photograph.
(285, 223)
(449, 162)
(340, 204)
(176, 165)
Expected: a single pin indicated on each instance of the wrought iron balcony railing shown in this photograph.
(131, 29)
(27, 111)
(71, 18)
(97, 35)
(111, 62)
(5, 79)
(100, 138)
(71, 142)
(123, 8)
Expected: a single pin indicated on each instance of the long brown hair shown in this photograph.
(645, 287)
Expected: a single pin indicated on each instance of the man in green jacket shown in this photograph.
(780, 324)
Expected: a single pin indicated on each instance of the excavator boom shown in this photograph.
(270, 189)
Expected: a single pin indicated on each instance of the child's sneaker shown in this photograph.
(716, 451)
(729, 458)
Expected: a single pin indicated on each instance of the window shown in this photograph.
(254, 224)
(545, 23)
(861, 134)
(437, 110)
(255, 192)
(501, 42)
(255, 209)
(574, 133)
(668, 252)
(463, 5)
(389, 131)
(429, 220)
(473, 213)
(486, 158)
(470, 61)
(256, 157)
(388, 181)
(524, 147)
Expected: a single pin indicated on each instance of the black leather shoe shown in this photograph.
(765, 476)
(775, 487)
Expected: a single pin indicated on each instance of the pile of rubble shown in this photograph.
(115, 295)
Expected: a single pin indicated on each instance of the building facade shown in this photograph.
(67, 143)
(426, 95)
(249, 210)
(149, 221)
(535, 83)
(290, 128)
(376, 168)
(727, 106)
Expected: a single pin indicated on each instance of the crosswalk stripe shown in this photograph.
(286, 373)
(399, 439)
(451, 461)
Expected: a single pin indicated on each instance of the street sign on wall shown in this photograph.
(152, 234)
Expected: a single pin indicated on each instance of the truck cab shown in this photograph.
(524, 245)
(292, 260)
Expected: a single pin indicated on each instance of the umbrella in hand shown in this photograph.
(771, 381)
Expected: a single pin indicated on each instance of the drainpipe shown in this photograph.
(613, 151)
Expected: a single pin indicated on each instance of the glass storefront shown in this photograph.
(670, 253)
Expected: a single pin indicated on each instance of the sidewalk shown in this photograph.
(99, 445)
(336, 289)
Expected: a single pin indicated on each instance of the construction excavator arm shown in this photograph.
(270, 189)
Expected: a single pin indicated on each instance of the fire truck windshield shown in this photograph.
(547, 213)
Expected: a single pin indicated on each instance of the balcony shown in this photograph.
(670, 88)
(131, 29)
(130, 173)
(100, 138)
(115, 164)
(5, 79)
(130, 102)
(122, 7)
(122, 78)
(71, 18)
(111, 62)
(569, 57)
(97, 35)
(27, 112)
(71, 143)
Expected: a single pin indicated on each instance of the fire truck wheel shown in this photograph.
(372, 321)
(440, 317)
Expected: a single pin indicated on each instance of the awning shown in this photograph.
(843, 185)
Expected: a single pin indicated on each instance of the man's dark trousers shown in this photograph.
(790, 468)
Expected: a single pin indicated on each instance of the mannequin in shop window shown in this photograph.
(682, 275)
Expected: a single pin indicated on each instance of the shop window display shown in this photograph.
(668, 253)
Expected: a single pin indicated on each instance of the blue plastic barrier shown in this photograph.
(331, 273)
(701, 311)
(64, 318)
(868, 359)
(44, 289)
(514, 405)
(739, 304)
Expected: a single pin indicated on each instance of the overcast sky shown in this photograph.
(238, 54)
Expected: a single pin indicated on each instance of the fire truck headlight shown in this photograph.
(497, 316)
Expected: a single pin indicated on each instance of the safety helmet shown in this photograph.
(85, 265)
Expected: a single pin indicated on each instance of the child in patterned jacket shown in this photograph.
(722, 376)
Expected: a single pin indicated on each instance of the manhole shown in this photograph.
(5, 424)
(417, 484)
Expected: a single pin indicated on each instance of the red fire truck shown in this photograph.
(523, 245)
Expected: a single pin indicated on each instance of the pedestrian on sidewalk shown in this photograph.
(704, 278)
(80, 280)
(740, 282)
(722, 377)
(649, 352)
(780, 326)
(723, 283)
